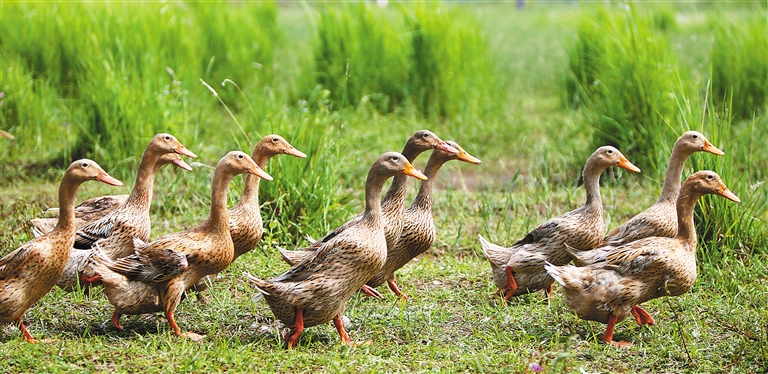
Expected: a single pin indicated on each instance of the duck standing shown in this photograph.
(316, 290)
(609, 290)
(418, 232)
(29, 272)
(519, 269)
(156, 276)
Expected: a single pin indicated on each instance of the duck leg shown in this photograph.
(116, 320)
(511, 282)
(641, 316)
(371, 292)
(343, 333)
(608, 336)
(393, 286)
(27, 336)
(548, 293)
(176, 330)
(293, 336)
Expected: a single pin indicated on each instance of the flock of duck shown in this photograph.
(105, 241)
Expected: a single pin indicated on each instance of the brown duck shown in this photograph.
(609, 290)
(245, 223)
(519, 269)
(316, 290)
(29, 272)
(96, 208)
(661, 218)
(115, 231)
(393, 204)
(418, 232)
(156, 276)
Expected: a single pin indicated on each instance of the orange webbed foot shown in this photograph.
(292, 337)
(371, 292)
(511, 283)
(641, 316)
(393, 286)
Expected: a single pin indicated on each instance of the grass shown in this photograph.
(532, 146)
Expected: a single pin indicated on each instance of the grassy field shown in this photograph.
(105, 89)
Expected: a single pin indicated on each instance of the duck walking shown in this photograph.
(154, 278)
(316, 290)
(609, 290)
(519, 269)
(418, 232)
(29, 272)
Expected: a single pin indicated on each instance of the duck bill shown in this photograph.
(708, 147)
(625, 164)
(726, 193)
(295, 152)
(108, 179)
(180, 163)
(259, 172)
(411, 171)
(444, 147)
(466, 157)
(182, 150)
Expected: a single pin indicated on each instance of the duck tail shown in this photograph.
(575, 254)
(555, 272)
(496, 254)
(261, 285)
(292, 257)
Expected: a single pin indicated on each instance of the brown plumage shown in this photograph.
(245, 223)
(393, 204)
(156, 276)
(519, 269)
(97, 208)
(116, 230)
(29, 272)
(418, 232)
(316, 290)
(610, 290)
(661, 218)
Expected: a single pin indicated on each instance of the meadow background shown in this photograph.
(531, 92)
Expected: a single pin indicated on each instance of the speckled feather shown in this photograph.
(642, 270)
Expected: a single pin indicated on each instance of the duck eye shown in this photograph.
(275, 139)
(695, 136)
(710, 177)
(610, 151)
(85, 164)
(240, 156)
(394, 158)
(167, 138)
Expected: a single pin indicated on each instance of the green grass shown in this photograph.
(532, 146)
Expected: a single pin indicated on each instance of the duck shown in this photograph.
(661, 218)
(418, 232)
(519, 269)
(245, 223)
(96, 208)
(90, 213)
(30, 271)
(116, 230)
(316, 290)
(393, 204)
(611, 289)
(155, 277)
(4, 134)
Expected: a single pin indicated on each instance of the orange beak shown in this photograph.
(726, 193)
(625, 164)
(411, 171)
(108, 179)
(466, 157)
(180, 163)
(257, 171)
(708, 147)
(295, 152)
(182, 150)
(444, 147)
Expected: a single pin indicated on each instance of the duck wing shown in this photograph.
(93, 232)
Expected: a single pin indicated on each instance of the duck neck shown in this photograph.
(67, 190)
(686, 231)
(251, 191)
(423, 198)
(373, 186)
(219, 217)
(592, 185)
(396, 192)
(141, 195)
(671, 188)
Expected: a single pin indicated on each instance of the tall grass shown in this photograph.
(621, 71)
(427, 56)
(739, 68)
(725, 228)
